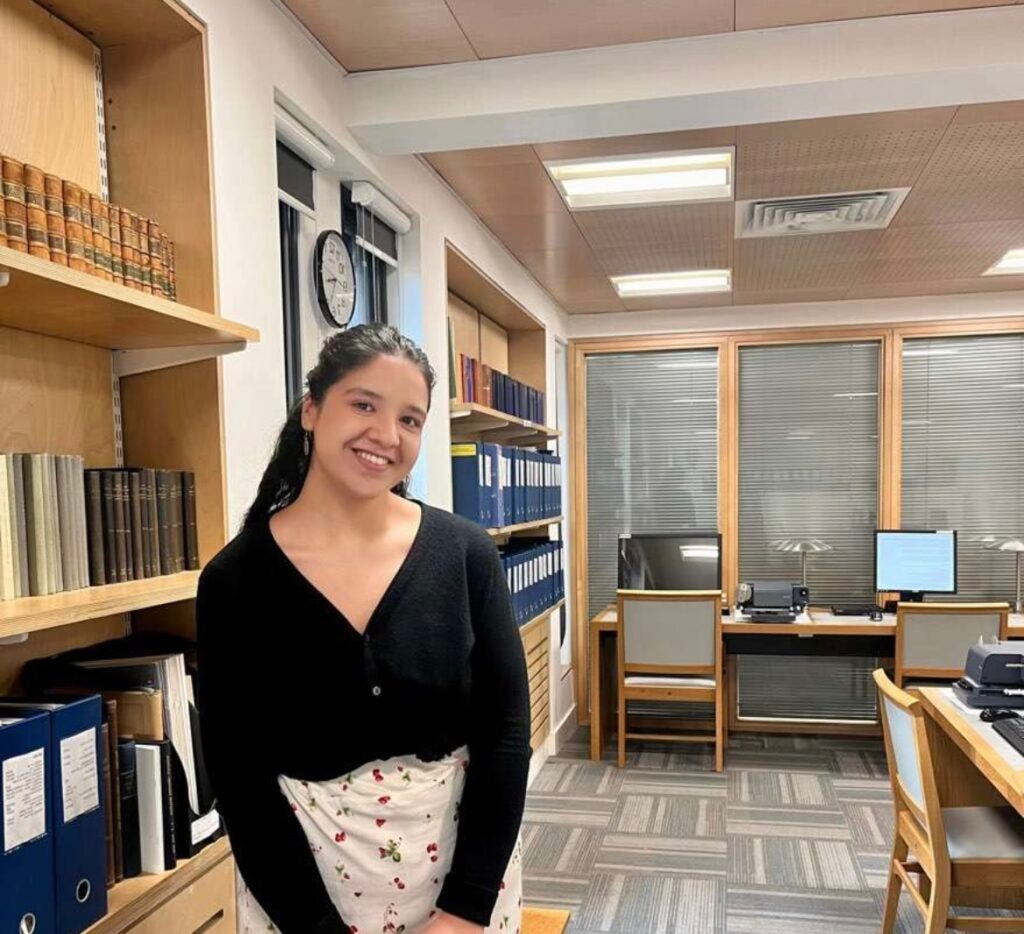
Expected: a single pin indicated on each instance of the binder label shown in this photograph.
(79, 774)
(24, 798)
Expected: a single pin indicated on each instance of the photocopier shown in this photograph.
(771, 601)
(993, 676)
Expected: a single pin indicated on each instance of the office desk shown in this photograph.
(824, 634)
(969, 755)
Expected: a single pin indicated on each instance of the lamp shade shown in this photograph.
(1006, 544)
(800, 545)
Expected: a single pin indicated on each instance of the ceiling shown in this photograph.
(368, 35)
(964, 165)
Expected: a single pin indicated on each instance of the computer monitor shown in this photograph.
(685, 560)
(915, 562)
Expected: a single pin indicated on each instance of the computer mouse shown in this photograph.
(991, 714)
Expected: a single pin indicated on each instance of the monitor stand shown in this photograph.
(911, 596)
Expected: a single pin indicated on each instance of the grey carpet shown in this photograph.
(793, 838)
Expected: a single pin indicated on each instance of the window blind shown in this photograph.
(652, 452)
(963, 451)
(808, 464)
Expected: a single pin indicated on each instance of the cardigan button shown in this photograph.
(376, 690)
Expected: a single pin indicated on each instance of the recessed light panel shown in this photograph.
(1012, 264)
(673, 283)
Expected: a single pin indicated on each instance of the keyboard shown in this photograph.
(1012, 730)
(855, 609)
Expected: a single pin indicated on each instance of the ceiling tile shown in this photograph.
(780, 296)
(671, 302)
(551, 231)
(802, 262)
(497, 28)
(636, 145)
(949, 251)
(555, 266)
(937, 287)
(761, 14)
(598, 307)
(366, 35)
(520, 188)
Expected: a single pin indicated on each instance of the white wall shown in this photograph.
(257, 50)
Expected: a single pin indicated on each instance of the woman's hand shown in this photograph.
(444, 923)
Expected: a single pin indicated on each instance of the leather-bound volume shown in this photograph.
(73, 226)
(145, 267)
(14, 204)
(188, 482)
(177, 517)
(129, 251)
(87, 240)
(35, 212)
(171, 270)
(163, 508)
(120, 528)
(100, 242)
(154, 522)
(108, 803)
(114, 229)
(94, 526)
(110, 718)
(3, 213)
(156, 259)
(53, 198)
(135, 511)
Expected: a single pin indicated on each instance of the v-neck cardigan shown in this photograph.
(288, 687)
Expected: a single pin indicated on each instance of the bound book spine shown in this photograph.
(100, 240)
(154, 522)
(3, 212)
(188, 479)
(35, 213)
(14, 204)
(163, 495)
(129, 251)
(145, 266)
(135, 509)
(90, 248)
(108, 805)
(156, 259)
(114, 223)
(94, 513)
(73, 226)
(172, 275)
(53, 196)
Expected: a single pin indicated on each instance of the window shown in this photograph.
(652, 452)
(963, 451)
(374, 247)
(808, 464)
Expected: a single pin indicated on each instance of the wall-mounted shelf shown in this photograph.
(524, 526)
(47, 298)
(30, 614)
(474, 422)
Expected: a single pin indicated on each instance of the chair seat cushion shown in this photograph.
(984, 833)
(668, 681)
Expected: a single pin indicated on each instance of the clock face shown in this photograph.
(335, 278)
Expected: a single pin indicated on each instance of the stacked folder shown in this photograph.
(535, 575)
(499, 486)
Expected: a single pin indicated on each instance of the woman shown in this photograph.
(363, 689)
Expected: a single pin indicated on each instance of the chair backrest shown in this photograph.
(910, 765)
(663, 629)
(932, 639)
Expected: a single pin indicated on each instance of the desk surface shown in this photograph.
(820, 622)
(995, 758)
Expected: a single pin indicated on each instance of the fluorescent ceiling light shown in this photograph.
(652, 178)
(1011, 264)
(852, 395)
(673, 283)
(931, 352)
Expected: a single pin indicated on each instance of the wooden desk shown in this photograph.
(965, 750)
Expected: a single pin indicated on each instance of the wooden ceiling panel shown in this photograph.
(596, 307)
(802, 262)
(780, 296)
(764, 14)
(948, 251)
(553, 267)
(460, 160)
(631, 145)
(836, 156)
(520, 188)
(555, 230)
(366, 35)
(497, 28)
(663, 302)
(937, 287)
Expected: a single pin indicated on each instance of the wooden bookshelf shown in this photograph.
(144, 903)
(30, 614)
(541, 617)
(524, 526)
(474, 422)
(47, 298)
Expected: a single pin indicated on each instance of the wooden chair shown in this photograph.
(670, 649)
(545, 920)
(932, 639)
(954, 849)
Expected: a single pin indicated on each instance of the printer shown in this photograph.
(771, 601)
(993, 676)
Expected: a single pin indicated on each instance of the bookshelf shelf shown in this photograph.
(53, 300)
(525, 526)
(135, 899)
(474, 422)
(30, 614)
(529, 626)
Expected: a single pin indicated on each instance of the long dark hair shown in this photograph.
(343, 352)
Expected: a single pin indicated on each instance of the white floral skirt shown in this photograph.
(383, 839)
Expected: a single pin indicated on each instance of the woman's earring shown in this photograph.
(305, 442)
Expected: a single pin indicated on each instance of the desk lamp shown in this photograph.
(804, 547)
(1015, 545)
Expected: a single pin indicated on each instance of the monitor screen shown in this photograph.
(915, 562)
(690, 560)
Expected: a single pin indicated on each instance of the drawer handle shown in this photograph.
(210, 922)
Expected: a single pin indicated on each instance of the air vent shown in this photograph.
(815, 214)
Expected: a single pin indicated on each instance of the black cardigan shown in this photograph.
(281, 670)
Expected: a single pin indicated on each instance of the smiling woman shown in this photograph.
(394, 788)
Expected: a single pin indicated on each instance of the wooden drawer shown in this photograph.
(206, 906)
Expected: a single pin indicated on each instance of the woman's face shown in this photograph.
(367, 431)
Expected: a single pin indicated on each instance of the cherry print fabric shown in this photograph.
(383, 839)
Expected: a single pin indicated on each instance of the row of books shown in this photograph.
(63, 527)
(110, 750)
(536, 576)
(60, 221)
(487, 386)
(499, 486)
